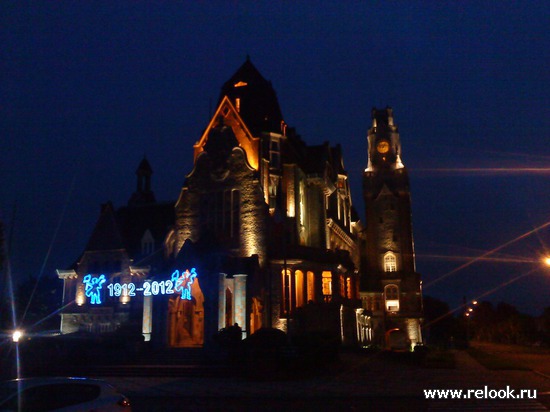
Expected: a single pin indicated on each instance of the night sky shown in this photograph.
(88, 88)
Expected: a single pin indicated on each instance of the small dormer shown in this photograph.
(147, 243)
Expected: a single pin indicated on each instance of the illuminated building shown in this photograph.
(391, 288)
(263, 234)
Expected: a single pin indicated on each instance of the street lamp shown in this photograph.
(16, 335)
(547, 261)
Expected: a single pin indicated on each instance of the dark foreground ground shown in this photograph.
(359, 382)
(272, 404)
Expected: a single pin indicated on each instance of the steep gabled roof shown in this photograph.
(257, 101)
(229, 116)
(135, 221)
(106, 234)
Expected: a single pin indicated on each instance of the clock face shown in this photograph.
(383, 147)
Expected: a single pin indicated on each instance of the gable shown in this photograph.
(231, 117)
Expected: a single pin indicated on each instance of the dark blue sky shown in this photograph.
(88, 88)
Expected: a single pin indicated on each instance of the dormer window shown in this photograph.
(147, 243)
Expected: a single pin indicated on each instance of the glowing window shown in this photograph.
(390, 263)
(327, 283)
(310, 287)
(391, 294)
(287, 292)
(238, 104)
(299, 288)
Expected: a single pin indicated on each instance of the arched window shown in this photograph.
(286, 292)
(310, 287)
(390, 263)
(299, 288)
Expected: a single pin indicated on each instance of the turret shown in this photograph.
(143, 194)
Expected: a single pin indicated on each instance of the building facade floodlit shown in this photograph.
(263, 234)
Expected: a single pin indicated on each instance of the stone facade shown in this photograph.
(263, 234)
(391, 289)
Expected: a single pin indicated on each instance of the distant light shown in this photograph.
(17, 334)
(474, 302)
(470, 310)
(547, 261)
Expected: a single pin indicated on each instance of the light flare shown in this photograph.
(477, 298)
(468, 258)
(485, 255)
(488, 171)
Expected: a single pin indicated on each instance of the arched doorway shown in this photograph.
(186, 319)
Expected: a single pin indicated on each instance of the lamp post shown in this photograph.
(16, 335)
(468, 314)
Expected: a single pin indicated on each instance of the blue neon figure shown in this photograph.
(93, 288)
(183, 283)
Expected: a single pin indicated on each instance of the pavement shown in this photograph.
(358, 381)
(536, 358)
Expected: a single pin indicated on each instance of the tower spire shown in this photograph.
(143, 193)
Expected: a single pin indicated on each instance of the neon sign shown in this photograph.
(178, 283)
(183, 283)
(93, 288)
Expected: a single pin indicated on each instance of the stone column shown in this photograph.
(147, 324)
(239, 296)
(221, 301)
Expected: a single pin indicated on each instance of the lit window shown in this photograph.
(310, 287)
(390, 263)
(348, 287)
(287, 292)
(327, 283)
(299, 288)
(391, 293)
(238, 104)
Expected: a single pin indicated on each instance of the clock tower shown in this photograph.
(391, 287)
